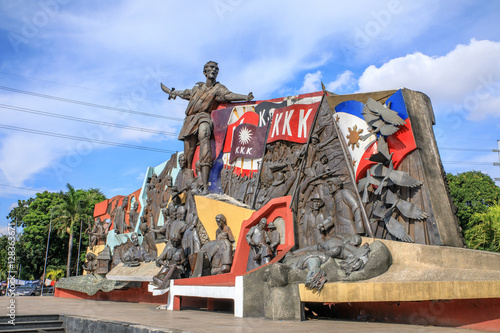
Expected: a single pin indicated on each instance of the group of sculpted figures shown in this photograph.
(315, 174)
(181, 249)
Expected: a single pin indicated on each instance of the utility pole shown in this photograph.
(79, 245)
(46, 254)
(497, 164)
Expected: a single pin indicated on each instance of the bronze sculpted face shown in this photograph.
(134, 238)
(182, 161)
(211, 70)
(221, 221)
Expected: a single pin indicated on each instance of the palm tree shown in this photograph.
(68, 213)
(55, 274)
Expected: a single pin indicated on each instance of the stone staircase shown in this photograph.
(35, 324)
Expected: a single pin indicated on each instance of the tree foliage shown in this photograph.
(35, 215)
(472, 192)
(484, 233)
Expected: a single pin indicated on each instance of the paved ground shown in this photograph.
(195, 321)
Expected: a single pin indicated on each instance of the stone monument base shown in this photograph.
(426, 285)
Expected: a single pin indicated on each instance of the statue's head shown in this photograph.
(176, 240)
(335, 185)
(221, 220)
(211, 70)
(182, 161)
(324, 159)
(171, 209)
(263, 223)
(169, 181)
(316, 201)
(314, 139)
(181, 213)
(134, 238)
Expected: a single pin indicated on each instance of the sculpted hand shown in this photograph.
(249, 97)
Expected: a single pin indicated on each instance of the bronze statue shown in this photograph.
(148, 238)
(133, 216)
(197, 127)
(274, 238)
(178, 226)
(223, 227)
(136, 254)
(119, 221)
(347, 214)
(91, 263)
(167, 192)
(96, 233)
(345, 247)
(173, 263)
(311, 220)
(220, 254)
(184, 177)
(259, 241)
(191, 239)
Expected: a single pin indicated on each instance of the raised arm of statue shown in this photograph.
(233, 97)
(184, 94)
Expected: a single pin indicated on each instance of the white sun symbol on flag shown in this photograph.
(245, 136)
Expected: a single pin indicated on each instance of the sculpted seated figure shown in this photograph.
(136, 254)
(173, 262)
(346, 247)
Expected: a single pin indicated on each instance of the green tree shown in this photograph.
(32, 244)
(76, 206)
(484, 233)
(17, 213)
(34, 215)
(472, 192)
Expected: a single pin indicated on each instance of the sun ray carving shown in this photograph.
(353, 136)
(245, 136)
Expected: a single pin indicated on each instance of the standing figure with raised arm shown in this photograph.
(203, 98)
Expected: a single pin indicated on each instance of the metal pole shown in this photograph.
(79, 245)
(46, 254)
(498, 151)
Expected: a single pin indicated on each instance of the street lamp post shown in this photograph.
(46, 255)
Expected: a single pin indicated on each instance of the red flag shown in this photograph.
(248, 117)
(292, 123)
(248, 142)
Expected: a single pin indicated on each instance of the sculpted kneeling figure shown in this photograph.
(173, 262)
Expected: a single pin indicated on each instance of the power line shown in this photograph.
(71, 85)
(468, 149)
(90, 121)
(77, 138)
(67, 100)
(467, 162)
(19, 187)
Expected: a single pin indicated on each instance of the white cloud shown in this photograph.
(345, 82)
(312, 82)
(468, 77)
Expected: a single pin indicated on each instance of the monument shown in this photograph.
(290, 196)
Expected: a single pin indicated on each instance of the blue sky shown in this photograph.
(115, 54)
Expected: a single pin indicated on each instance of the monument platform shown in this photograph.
(426, 284)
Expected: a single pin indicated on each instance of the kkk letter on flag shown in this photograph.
(248, 142)
(292, 123)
